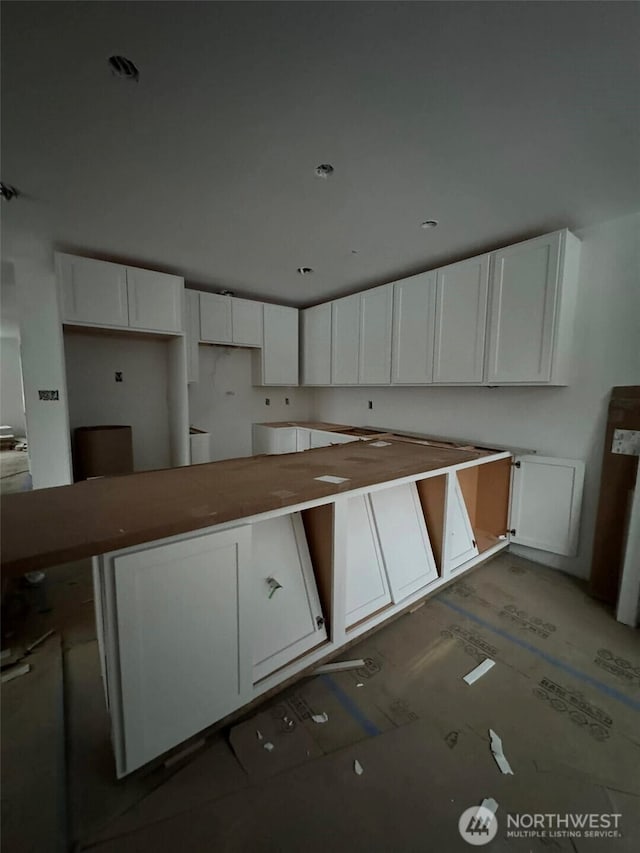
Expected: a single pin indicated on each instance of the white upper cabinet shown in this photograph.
(286, 617)
(546, 502)
(92, 292)
(376, 307)
(278, 364)
(316, 345)
(532, 300)
(192, 333)
(414, 302)
(246, 322)
(461, 314)
(215, 318)
(155, 300)
(345, 340)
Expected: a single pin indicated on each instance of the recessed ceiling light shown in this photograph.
(324, 170)
(123, 67)
(305, 270)
(429, 223)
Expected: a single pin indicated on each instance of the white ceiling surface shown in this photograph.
(500, 120)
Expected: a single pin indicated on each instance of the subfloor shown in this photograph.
(564, 696)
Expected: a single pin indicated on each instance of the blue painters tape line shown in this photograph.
(576, 673)
(350, 706)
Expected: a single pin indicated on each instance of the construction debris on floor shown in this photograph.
(388, 755)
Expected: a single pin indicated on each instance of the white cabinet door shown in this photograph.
(192, 333)
(215, 318)
(367, 588)
(461, 314)
(345, 340)
(414, 304)
(545, 504)
(303, 439)
(93, 292)
(286, 617)
(404, 541)
(524, 293)
(376, 307)
(181, 656)
(268, 439)
(325, 438)
(460, 544)
(316, 345)
(155, 300)
(246, 322)
(280, 349)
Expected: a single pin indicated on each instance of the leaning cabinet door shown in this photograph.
(546, 502)
(404, 540)
(367, 589)
(177, 648)
(524, 294)
(155, 300)
(93, 292)
(285, 614)
(460, 545)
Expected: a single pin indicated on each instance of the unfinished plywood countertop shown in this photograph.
(51, 526)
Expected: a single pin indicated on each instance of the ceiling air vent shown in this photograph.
(123, 67)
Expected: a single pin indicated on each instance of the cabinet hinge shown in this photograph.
(516, 464)
(512, 531)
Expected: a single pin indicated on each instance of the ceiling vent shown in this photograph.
(123, 67)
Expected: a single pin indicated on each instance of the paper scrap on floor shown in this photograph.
(479, 671)
(498, 753)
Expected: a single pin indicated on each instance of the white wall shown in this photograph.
(225, 404)
(11, 402)
(565, 422)
(139, 401)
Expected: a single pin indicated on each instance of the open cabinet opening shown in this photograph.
(318, 527)
(433, 493)
(485, 489)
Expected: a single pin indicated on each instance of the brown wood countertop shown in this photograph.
(50, 526)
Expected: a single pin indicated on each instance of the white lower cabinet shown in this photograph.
(286, 617)
(325, 438)
(178, 653)
(404, 541)
(367, 588)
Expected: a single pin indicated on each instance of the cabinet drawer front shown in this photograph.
(524, 291)
(93, 292)
(215, 318)
(155, 300)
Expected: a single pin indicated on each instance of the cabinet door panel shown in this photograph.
(155, 300)
(367, 589)
(414, 301)
(461, 314)
(345, 340)
(181, 639)
(524, 289)
(192, 333)
(460, 542)
(375, 335)
(280, 350)
(547, 497)
(286, 618)
(246, 319)
(92, 291)
(404, 541)
(215, 318)
(316, 342)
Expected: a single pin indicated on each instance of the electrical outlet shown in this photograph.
(267, 401)
(118, 376)
(48, 395)
(371, 404)
(286, 401)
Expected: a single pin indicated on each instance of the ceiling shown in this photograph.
(500, 120)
